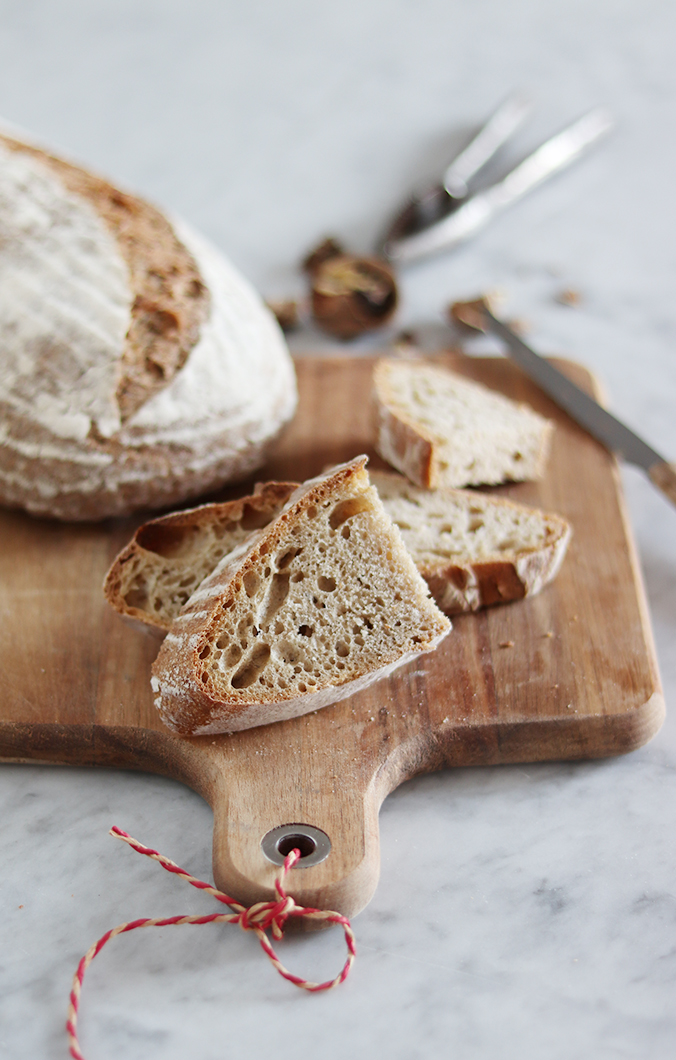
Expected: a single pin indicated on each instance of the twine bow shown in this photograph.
(259, 918)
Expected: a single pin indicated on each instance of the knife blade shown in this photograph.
(576, 402)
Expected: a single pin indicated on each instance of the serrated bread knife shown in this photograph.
(583, 409)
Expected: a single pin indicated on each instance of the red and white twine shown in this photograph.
(259, 918)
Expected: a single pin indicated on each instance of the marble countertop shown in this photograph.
(523, 912)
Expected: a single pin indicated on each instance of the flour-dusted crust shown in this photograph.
(474, 550)
(440, 429)
(139, 369)
(167, 558)
(312, 608)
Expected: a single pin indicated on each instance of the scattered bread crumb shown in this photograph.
(405, 338)
(506, 644)
(568, 296)
(287, 313)
(519, 325)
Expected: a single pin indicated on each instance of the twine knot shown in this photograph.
(259, 918)
(268, 916)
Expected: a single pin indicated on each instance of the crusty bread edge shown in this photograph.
(181, 699)
(500, 578)
(267, 713)
(265, 495)
(545, 448)
(458, 587)
(402, 443)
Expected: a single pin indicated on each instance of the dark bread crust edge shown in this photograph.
(495, 581)
(498, 579)
(403, 443)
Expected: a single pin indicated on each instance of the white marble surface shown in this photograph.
(522, 912)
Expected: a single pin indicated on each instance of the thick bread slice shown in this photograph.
(138, 368)
(167, 558)
(314, 607)
(440, 429)
(472, 549)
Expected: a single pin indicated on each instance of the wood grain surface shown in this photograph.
(568, 674)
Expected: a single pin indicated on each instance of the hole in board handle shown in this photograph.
(314, 845)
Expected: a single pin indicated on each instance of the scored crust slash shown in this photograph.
(140, 368)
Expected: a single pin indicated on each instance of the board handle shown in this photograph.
(663, 475)
(258, 819)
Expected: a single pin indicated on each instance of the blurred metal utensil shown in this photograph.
(445, 220)
(584, 410)
(484, 145)
(432, 203)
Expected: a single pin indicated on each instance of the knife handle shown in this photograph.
(663, 475)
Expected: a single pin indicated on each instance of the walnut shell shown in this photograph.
(351, 295)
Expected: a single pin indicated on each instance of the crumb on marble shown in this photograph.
(519, 325)
(287, 312)
(568, 296)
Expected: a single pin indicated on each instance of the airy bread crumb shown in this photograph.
(310, 609)
(474, 550)
(167, 558)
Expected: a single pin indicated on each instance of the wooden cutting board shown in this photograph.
(568, 674)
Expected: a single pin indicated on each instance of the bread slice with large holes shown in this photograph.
(474, 550)
(312, 608)
(167, 558)
(440, 429)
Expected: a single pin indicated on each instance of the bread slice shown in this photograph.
(167, 558)
(138, 368)
(312, 608)
(472, 549)
(440, 429)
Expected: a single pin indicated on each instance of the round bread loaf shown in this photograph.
(137, 369)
